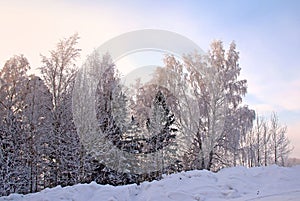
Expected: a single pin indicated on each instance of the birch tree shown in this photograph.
(279, 144)
(216, 94)
(58, 72)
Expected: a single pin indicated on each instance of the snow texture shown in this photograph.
(238, 183)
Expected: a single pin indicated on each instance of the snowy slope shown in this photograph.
(239, 183)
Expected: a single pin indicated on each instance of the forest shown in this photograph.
(189, 116)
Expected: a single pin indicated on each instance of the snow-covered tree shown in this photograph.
(110, 101)
(13, 150)
(257, 145)
(160, 123)
(279, 143)
(143, 101)
(207, 109)
(38, 120)
(163, 133)
(110, 112)
(231, 146)
(218, 93)
(266, 143)
(58, 72)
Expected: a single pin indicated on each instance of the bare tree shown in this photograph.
(267, 143)
(280, 145)
(266, 140)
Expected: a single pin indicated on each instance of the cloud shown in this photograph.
(262, 108)
(282, 95)
(289, 96)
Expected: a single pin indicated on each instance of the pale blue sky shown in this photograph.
(267, 34)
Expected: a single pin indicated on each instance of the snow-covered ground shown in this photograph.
(239, 183)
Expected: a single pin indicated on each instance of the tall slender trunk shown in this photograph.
(209, 164)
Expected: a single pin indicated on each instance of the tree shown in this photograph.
(260, 143)
(163, 132)
(231, 148)
(215, 96)
(259, 132)
(266, 143)
(111, 114)
(266, 140)
(152, 109)
(13, 149)
(37, 119)
(160, 123)
(280, 145)
(58, 72)
(110, 101)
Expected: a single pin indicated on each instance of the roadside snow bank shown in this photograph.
(238, 183)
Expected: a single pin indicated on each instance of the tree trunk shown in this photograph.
(209, 164)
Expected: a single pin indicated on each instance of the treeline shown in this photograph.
(192, 107)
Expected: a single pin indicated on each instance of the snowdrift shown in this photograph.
(239, 183)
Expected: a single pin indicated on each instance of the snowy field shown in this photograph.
(239, 183)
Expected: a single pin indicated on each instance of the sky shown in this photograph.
(267, 34)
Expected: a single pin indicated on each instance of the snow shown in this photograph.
(238, 184)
